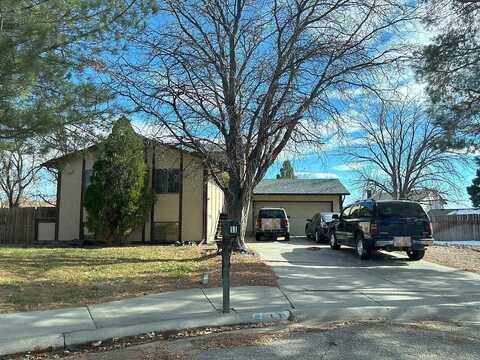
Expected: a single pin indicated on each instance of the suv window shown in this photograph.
(400, 210)
(271, 214)
(364, 212)
(355, 212)
(327, 216)
(346, 212)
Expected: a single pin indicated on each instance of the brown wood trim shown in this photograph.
(145, 152)
(36, 227)
(59, 190)
(152, 210)
(82, 190)
(205, 204)
(180, 199)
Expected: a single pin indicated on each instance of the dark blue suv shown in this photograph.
(392, 225)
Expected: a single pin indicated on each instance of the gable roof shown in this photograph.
(301, 186)
(54, 162)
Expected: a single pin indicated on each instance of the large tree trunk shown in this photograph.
(238, 204)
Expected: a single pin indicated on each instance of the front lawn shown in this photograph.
(44, 278)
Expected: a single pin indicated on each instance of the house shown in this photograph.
(301, 198)
(430, 199)
(188, 201)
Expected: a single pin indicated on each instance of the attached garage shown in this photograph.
(301, 198)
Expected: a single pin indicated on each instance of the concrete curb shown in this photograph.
(42, 342)
(460, 314)
(447, 313)
(79, 337)
(86, 336)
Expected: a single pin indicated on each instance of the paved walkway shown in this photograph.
(315, 277)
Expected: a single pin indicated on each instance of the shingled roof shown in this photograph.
(301, 186)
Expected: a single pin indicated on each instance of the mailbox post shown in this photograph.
(231, 229)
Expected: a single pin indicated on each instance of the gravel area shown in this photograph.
(461, 257)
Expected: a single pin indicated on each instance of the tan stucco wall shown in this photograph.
(215, 206)
(192, 199)
(166, 158)
(150, 182)
(69, 211)
(166, 207)
(335, 199)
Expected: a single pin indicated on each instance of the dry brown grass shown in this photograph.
(42, 278)
(461, 257)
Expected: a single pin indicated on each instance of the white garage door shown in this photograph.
(298, 212)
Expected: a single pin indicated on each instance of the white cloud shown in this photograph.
(316, 175)
(349, 166)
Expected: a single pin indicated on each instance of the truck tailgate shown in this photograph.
(271, 224)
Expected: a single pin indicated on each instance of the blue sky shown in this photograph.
(331, 164)
(328, 162)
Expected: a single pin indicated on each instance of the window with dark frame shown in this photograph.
(87, 179)
(167, 181)
(166, 231)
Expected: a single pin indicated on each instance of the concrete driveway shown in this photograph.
(313, 276)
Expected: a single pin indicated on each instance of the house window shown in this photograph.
(167, 181)
(165, 231)
(87, 179)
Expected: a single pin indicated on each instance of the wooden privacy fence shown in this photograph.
(19, 226)
(456, 227)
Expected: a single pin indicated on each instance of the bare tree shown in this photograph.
(245, 77)
(19, 166)
(398, 153)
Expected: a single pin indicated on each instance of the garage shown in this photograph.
(297, 211)
(301, 199)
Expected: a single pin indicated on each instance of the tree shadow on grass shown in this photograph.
(51, 262)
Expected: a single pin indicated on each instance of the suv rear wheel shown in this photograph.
(362, 249)
(333, 241)
(416, 254)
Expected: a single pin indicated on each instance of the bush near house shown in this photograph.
(46, 278)
(119, 198)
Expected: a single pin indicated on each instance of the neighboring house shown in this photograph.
(188, 202)
(301, 198)
(469, 211)
(429, 199)
(439, 212)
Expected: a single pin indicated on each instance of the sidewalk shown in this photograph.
(195, 308)
(174, 310)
